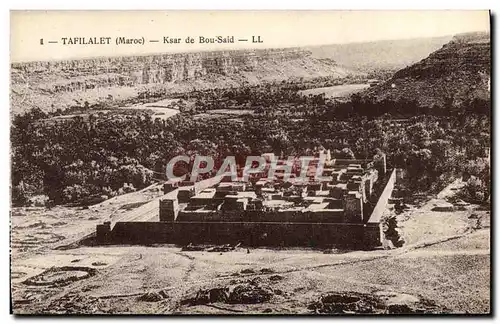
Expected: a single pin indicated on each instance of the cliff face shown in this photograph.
(130, 71)
(57, 84)
(459, 71)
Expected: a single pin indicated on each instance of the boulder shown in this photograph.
(443, 207)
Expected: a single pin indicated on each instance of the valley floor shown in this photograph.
(444, 267)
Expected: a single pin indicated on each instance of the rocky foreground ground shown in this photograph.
(444, 267)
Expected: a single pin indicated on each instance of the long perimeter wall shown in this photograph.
(248, 233)
(383, 200)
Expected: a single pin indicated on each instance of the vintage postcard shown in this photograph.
(250, 162)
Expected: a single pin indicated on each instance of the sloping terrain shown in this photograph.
(61, 84)
(385, 54)
(458, 71)
(441, 269)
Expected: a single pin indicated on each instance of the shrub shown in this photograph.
(391, 233)
(475, 190)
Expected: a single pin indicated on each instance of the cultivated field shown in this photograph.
(336, 91)
(161, 109)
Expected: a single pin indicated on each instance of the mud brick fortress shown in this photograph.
(344, 208)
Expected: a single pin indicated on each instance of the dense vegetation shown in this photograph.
(104, 155)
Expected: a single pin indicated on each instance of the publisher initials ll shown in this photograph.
(256, 39)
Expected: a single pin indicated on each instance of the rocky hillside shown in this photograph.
(458, 71)
(60, 84)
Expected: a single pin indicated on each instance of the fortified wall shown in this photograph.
(271, 212)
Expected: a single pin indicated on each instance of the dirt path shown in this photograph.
(131, 271)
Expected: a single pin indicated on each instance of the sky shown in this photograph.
(276, 28)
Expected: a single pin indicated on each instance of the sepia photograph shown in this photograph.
(250, 162)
